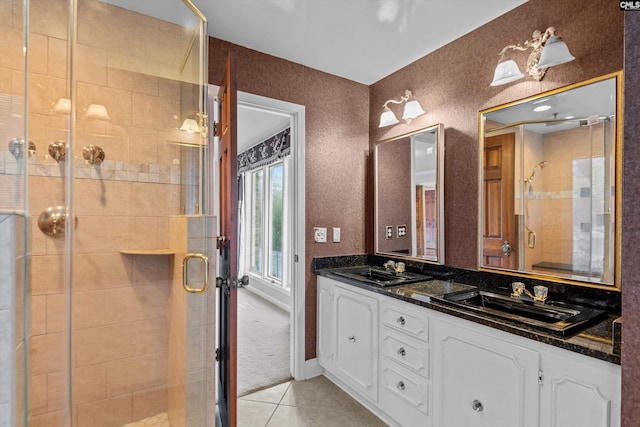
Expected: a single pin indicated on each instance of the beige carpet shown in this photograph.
(263, 343)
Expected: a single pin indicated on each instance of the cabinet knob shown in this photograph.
(400, 385)
(352, 338)
(401, 351)
(401, 320)
(477, 406)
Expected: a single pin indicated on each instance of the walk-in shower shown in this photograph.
(103, 333)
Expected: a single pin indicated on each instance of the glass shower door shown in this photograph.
(121, 331)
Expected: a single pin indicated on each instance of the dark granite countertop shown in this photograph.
(594, 341)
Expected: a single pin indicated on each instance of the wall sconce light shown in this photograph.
(62, 106)
(547, 50)
(412, 109)
(190, 125)
(97, 112)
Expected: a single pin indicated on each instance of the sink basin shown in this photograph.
(552, 316)
(380, 277)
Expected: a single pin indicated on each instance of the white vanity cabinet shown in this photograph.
(405, 364)
(482, 380)
(348, 336)
(413, 366)
(579, 391)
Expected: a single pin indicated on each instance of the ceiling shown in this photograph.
(576, 105)
(360, 40)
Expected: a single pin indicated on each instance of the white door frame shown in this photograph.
(297, 240)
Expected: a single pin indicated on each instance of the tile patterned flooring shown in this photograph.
(314, 402)
(310, 403)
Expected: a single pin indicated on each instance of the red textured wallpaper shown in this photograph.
(631, 226)
(452, 84)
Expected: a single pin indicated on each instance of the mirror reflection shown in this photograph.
(409, 208)
(549, 184)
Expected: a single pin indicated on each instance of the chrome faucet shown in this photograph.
(394, 267)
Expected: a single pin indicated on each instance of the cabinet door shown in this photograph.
(356, 352)
(483, 381)
(579, 391)
(326, 324)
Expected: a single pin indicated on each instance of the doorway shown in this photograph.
(276, 278)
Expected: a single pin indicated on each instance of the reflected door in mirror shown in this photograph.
(499, 237)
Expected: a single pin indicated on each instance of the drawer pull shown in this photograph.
(352, 338)
(400, 385)
(477, 406)
(402, 352)
(401, 320)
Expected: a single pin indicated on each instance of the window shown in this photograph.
(264, 222)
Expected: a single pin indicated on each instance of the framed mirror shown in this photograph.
(409, 195)
(550, 184)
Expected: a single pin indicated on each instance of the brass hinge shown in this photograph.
(216, 129)
(217, 354)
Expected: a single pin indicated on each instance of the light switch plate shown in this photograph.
(320, 234)
(336, 234)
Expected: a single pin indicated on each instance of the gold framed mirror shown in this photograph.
(409, 208)
(550, 184)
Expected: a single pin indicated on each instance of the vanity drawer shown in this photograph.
(409, 353)
(404, 396)
(401, 318)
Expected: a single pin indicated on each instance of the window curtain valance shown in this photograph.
(269, 151)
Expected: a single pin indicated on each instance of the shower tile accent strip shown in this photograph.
(110, 170)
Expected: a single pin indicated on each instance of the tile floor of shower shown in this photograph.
(312, 402)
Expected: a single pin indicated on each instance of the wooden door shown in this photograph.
(228, 244)
(499, 216)
(419, 220)
(430, 230)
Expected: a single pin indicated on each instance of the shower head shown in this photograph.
(541, 165)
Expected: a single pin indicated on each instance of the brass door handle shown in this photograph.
(185, 274)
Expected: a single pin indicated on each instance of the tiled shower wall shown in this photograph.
(130, 64)
(12, 346)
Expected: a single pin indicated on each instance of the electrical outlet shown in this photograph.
(402, 231)
(389, 231)
(320, 234)
(336, 234)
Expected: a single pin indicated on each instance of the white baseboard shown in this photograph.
(265, 296)
(312, 369)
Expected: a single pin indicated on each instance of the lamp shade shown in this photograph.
(387, 118)
(506, 72)
(190, 126)
(412, 109)
(555, 52)
(97, 111)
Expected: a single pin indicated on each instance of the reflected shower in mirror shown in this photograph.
(409, 207)
(549, 183)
